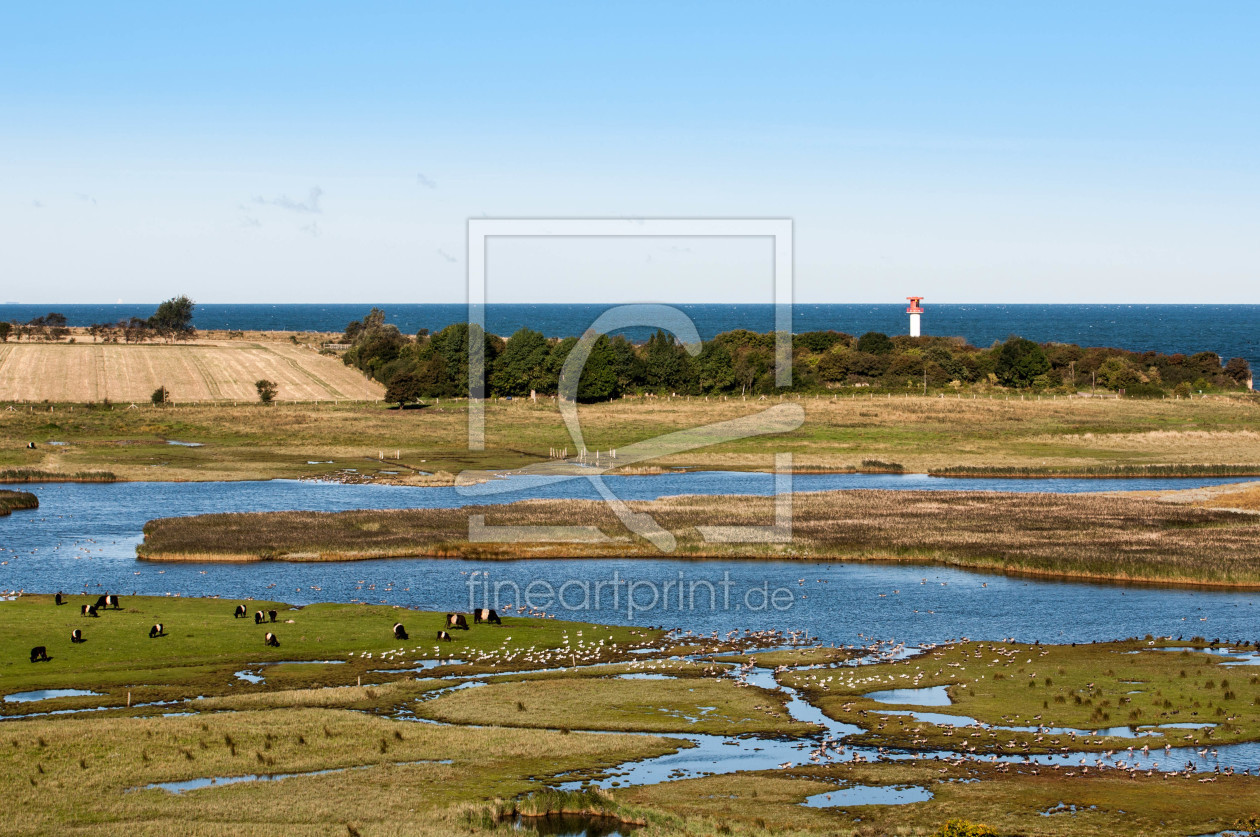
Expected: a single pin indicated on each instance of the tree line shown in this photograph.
(742, 362)
(172, 321)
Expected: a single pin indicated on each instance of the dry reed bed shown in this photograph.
(27, 475)
(1106, 537)
(11, 501)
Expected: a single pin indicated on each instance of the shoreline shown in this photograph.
(980, 568)
(1111, 537)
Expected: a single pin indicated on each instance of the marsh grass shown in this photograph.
(1091, 536)
(692, 705)
(23, 475)
(11, 501)
(246, 441)
(1086, 687)
(1100, 471)
(47, 789)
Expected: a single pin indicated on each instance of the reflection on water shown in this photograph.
(46, 694)
(928, 696)
(574, 825)
(854, 795)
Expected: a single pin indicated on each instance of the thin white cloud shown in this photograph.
(85, 198)
(311, 229)
(310, 205)
(426, 182)
(446, 256)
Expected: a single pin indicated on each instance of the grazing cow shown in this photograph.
(456, 620)
(101, 602)
(59, 601)
(39, 654)
(399, 631)
(76, 635)
(156, 631)
(240, 613)
(443, 636)
(88, 610)
(485, 614)
(30, 446)
(270, 639)
(271, 614)
(258, 617)
(111, 601)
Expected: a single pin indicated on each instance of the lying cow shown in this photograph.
(271, 614)
(259, 618)
(240, 613)
(456, 620)
(88, 610)
(76, 635)
(443, 636)
(270, 640)
(156, 631)
(399, 631)
(485, 614)
(59, 601)
(39, 654)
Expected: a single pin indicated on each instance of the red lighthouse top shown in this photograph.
(914, 305)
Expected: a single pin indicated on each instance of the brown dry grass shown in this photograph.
(1085, 536)
(199, 371)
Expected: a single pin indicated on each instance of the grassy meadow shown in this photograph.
(1097, 536)
(346, 761)
(246, 440)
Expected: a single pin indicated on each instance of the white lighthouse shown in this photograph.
(915, 313)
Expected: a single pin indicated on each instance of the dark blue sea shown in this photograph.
(1228, 330)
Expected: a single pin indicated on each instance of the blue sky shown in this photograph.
(970, 152)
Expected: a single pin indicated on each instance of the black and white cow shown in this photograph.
(240, 612)
(485, 614)
(443, 636)
(456, 620)
(39, 654)
(271, 615)
(88, 610)
(101, 602)
(59, 601)
(111, 601)
(270, 640)
(259, 618)
(156, 631)
(399, 631)
(76, 635)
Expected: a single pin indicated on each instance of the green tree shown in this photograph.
(714, 368)
(666, 364)
(5, 330)
(173, 318)
(1116, 374)
(161, 395)
(267, 390)
(875, 343)
(1019, 362)
(1238, 370)
(519, 368)
(404, 388)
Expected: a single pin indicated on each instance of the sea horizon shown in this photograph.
(1228, 330)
